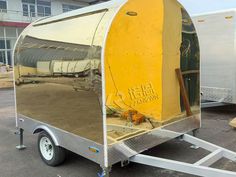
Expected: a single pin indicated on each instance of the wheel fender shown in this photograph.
(41, 128)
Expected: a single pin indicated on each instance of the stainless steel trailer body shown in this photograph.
(216, 31)
(130, 102)
(73, 107)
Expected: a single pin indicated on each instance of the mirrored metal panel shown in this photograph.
(58, 76)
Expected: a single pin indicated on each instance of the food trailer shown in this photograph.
(143, 89)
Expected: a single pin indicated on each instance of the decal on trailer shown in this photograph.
(94, 149)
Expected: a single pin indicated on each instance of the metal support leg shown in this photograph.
(180, 138)
(195, 132)
(124, 163)
(105, 172)
(21, 146)
(194, 135)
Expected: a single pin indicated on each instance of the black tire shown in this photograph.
(59, 153)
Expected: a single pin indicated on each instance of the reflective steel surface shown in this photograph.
(58, 76)
(72, 142)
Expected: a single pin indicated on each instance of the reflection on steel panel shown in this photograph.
(59, 83)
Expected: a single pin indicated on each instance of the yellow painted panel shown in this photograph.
(133, 58)
(141, 55)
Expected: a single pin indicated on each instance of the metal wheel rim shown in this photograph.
(46, 148)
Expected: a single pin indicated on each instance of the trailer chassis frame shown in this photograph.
(199, 168)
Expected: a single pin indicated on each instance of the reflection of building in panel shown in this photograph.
(66, 68)
(47, 57)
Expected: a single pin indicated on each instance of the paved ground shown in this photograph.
(28, 164)
(6, 80)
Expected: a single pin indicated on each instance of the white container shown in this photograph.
(216, 32)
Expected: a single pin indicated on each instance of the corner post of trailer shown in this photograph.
(105, 172)
(195, 135)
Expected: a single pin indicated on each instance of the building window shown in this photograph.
(9, 57)
(43, 8)
(2, 44)
(68, 7)
(2, 57)
(5, 52)
(28, 8)
(8, 39)
(3, 6)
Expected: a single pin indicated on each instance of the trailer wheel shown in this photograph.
(51, 154)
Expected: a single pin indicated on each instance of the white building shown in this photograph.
(15, 15)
